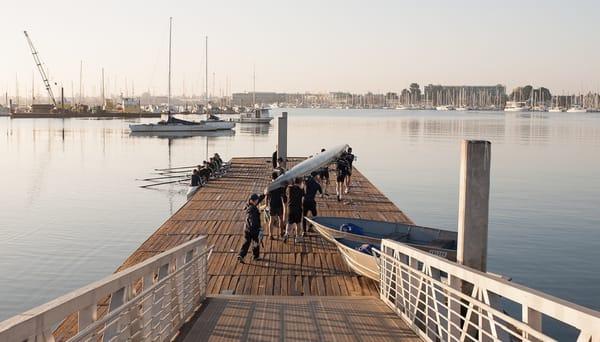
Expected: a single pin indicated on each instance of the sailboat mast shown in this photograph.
(169, 92)
(254, 86)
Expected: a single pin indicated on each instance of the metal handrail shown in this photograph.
(178, 274)
(443, 300)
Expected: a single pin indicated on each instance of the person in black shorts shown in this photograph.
(324, 175)
(295, 193)
(195, 178)
(309, 205)
(350, 160)
(251, 228)
(342, 172)
(276, 200)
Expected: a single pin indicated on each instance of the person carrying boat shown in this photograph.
(195, 178)
(350, 159)
(276, 200)
(342, 172)
(280, 169)
(324, 175)
(309, 205)
(252, 228)
(294, 194)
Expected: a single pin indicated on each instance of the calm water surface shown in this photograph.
(71, 210)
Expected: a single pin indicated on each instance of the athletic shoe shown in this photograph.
(240, 259)
(258, 259)
(285, 237)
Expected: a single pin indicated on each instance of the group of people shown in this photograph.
(288, 205)
(212, 168)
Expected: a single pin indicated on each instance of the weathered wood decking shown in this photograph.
(274, 318)
(313, 267)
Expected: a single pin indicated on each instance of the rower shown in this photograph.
(195, 178)
(324, 175)
(309, 205)
(280, 169)
(350, 160)
(342, 173)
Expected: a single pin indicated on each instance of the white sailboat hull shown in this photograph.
(176, 127)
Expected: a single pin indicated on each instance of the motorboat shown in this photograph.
(439, 242)
(516, 106)
(576, 109)
(255, 116)
(443, 108)
(359, 241)
(364, 262)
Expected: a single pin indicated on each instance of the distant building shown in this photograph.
(246, 99)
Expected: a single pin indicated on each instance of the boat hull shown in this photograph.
(361, 263)
(431, 240)
(200, 127)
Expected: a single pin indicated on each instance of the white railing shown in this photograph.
(148, 301)
(445, 301)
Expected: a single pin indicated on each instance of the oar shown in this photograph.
(163, 177)
(171, 182)
(173, 172)
(176, 168)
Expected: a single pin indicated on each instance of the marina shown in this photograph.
(323, 171)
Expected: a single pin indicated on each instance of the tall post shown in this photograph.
(473, 205)
(62, 99)
(282, 136)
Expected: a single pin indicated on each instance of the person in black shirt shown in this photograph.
(294, 211)
(342, 173)
(276, 200)
(251, 228)
(309, 204)
(274, 159)
(350, 159)
(195, 178)
(280, 169)
(324, 175)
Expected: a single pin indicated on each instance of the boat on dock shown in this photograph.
(439, 242)
(255, 116)
(307, 166)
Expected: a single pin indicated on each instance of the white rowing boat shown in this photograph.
(360, 262)
(307, 166)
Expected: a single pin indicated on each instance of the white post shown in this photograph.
(473, 205)
(282, 136)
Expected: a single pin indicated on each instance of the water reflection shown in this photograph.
(254, 129)
(69, 189)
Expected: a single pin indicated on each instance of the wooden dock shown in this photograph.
(260, 318)
(313, 267)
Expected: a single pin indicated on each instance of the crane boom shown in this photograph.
(40, 67)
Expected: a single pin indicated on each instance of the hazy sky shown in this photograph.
(303, 45)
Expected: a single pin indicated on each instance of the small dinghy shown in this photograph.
(361, 258)
(435, 241)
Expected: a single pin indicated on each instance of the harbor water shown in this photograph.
(71, 209)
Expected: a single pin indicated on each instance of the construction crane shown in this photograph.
(40, 67)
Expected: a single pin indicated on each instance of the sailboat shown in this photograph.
(172, 124)
(257, 115)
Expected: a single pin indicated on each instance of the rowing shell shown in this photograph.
(307, 166)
